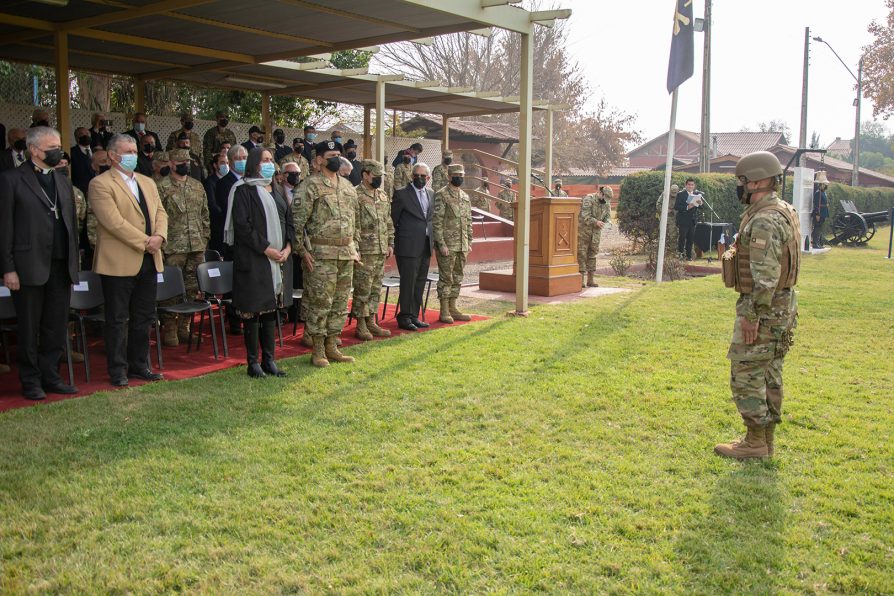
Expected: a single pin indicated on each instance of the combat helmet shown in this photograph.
(759, 165)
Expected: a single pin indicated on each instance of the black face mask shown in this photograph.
(103, 169)
(182, 169)
(351, 154)
(448, 161)
(52, 157)
(280, 139)
(419, 181)
(165, 170)
(148, 148)
(407, 159)
(259, 140)
(292, 178)
(456, 181)
(84, 140)
(19, 145)
(188, 125)
(333, 164)
(223, 122)
(376, 181)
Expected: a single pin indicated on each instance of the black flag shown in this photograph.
(682, 46)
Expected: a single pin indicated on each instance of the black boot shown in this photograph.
(250, 332)
(268, 344)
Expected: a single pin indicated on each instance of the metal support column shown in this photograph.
(367, 132)
(380, 122)
(445, 133)
(63, 88)
(855, 176)
(523, 227)
(547, 152)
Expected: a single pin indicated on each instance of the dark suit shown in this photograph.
(144, 138)
(280, 152)
(357, 173)
(99, 138)
(216, 215)
(249, 145)
(81, 169)
(7, 160)
(412, 246)
(686, 220)
(42, 249)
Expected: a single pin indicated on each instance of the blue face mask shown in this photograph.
(239, 166)
(311, 136)
(223, 169)
(268, 170)
(129, 162)
(338, 140)
(139, 126)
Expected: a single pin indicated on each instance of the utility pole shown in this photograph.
(705, 157)
(802, 138)
(855, 177)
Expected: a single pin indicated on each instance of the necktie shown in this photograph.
(19, 158)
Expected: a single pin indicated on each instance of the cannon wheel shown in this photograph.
(867, 236)
(848, 228)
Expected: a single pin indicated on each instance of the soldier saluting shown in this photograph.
(763, 267)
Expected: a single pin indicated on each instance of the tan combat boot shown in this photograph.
(454, 312)
(170, 339)
(362, 333)
(583, 279)
(318, 357)
(591, 283)
(306, 340)
(445, 311)
(769, 436)
(753, 446)
(375, 329)
(332, 352)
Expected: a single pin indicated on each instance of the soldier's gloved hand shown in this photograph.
(445, 252)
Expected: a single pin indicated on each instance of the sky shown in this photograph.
(756, 62)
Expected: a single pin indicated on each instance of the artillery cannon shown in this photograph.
(852, 227)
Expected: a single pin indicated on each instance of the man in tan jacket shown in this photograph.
(131, 227)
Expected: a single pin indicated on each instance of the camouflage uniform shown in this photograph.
(80, 206)
(479, 201)
(505, 209)
(403, 175)
(452, 228)
(439, 177)
(162, 158)
(195, 143)
(326, 213)
(766, 249)
(557, 191)
(373, 219)
(212, 142)
(388, 184)
(188, 229)
(588, 233)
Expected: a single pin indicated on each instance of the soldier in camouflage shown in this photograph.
(161, 166)
(451, 223)
(479, 196)
(557, 188)
(373, 218)
(439, 177)
(186, 127)
(403, 172)
(505, 206)
(216, 137)
(763, 267)
(189, 229)
(595, 212)
(326, 213)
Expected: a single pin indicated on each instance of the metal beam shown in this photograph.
(502, 16)
(346, 14)
(169, 46)
(549, 15)
(243, 29)
(523, 225)
(107, 56)
(129, 13)
(380, 121)
(289, 65)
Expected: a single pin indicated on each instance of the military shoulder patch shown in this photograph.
(759, 243)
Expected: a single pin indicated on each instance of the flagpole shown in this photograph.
(665, 197)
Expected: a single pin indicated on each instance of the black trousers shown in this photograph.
(130, 311)
(817, 240)
(413, 277)
(42, 315)
(685, 238)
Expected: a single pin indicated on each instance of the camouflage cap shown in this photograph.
(162, 156)
(456, 169)
(557, 181)
(372, 166)
(607, 192)
(179, 155)
(447, 154)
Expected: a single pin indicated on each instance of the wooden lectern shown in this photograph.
(553, 268)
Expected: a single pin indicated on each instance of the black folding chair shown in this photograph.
(212, 255)
(297, 295)
(215, 279)
(170, 285)
(7, 323)
(86, 295)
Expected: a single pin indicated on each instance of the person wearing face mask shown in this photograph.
(145, 157)
(338, 136)
(308, 143)
(452, 235)
(40, 117)
(81, 158)
(189, 229)
(216, 136)
(413, 150)
(100, 131)
(187, 126)
(218, 167)
(141, 134)
(260, 229)
(255, 138)
(161, 166)
(411, 212)
(131, 227)
(196, 170)
(326, 214)
(373, 218)
(356, 165)
(762, 266)
(508, 198)
(39, 258)
(237, 158)
(280, 149)
(439, 177)
(14, 156)
(403, 172)
(595, 212)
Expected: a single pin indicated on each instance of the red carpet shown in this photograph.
(180, 365)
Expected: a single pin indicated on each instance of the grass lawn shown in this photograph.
(570, 451)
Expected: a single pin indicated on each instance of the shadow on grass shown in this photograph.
(737, 546)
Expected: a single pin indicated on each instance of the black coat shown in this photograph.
(7, 161)
(26, 225)
(216, 215)
(685, 217)
(141, 138)
(81, 170)
(99, 138)
(252, 284)
(410, 224)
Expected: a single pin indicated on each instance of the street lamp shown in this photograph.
(859, 79)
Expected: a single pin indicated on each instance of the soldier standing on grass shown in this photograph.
(763, 267)
(373, 218)
(595, 212)
(451, 223)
